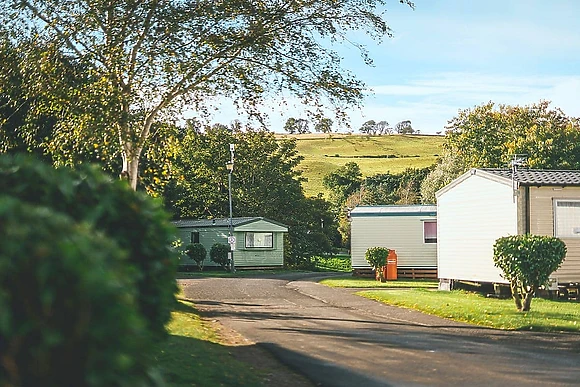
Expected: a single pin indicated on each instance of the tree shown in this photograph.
(374, 128)
(343, 182)
(297, 126)
(448, 167)
(368, 127)
(488, 136)
(151, 57)
(383, 127)
(404, 127)
(527, 262)
(324, 125)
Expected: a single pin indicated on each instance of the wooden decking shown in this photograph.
(402, 272)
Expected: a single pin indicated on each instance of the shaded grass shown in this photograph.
(474, 308)
(194, 356)
(356, 282)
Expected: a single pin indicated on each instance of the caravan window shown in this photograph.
(430, 231)
(567, 218)
(260, 240)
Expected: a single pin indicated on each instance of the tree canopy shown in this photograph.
(150, 58)
(489, 135)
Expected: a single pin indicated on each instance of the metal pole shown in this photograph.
(231, 226)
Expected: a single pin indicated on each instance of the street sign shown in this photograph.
(232, 240)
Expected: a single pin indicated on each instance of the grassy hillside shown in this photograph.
(373, 154)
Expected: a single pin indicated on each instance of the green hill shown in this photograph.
(373, 154)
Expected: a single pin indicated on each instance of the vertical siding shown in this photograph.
(542, 223)
(470, 217)
(401, 233)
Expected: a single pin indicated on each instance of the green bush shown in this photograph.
(135, 221)
(377, 258)
(68, 305)
(527, 262)
(197, 252)
(219, 254)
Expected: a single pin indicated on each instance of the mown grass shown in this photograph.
(323, 155)
(193, 355)
(545, 316)
(355, 282)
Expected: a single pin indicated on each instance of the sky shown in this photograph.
(451, 55)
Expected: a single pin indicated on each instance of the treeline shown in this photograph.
(325, 125)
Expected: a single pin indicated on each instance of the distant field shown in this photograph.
(393, 153)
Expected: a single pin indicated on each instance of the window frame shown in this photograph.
(430, 240)
(557, 234)
(253, 233)
(194, 237)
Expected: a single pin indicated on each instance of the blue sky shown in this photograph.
(449, 55)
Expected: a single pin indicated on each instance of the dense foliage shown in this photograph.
(197, 253)
(490, 135)
(527, 261)
(245, 51)
(69, 304)
(136, 222)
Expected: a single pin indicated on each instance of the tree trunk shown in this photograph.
(130, 170)
(528, 299)
(516, 295)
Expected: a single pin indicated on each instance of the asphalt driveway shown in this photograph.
(336, 338)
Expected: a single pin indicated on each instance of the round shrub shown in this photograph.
(135, 221)
(377, 258)
(68, 305)
(219, 254)
(197, 252)
(527, 261)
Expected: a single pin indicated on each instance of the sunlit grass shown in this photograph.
(357, 282)
(474, 308)
(320, 155)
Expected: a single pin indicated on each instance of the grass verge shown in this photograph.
(194, 355)
(354, 282)
(545, 316)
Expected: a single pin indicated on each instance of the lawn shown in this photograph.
(357, 282)
(545, 315)
(194, 355)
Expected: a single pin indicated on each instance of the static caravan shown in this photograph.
(483, 205)
(410, 230)
(259, 242)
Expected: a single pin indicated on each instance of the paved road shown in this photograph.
(338, 339)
